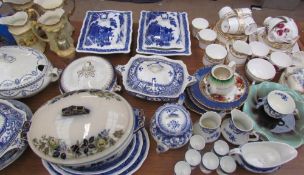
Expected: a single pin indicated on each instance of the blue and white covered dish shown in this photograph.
(25, 72)
(163, 33)
(106, 32)
(155, 78)
(171, 127)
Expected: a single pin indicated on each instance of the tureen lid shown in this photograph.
(90, 72)
(80, 127)
(281, 102)
(173, 119)
(21, 66)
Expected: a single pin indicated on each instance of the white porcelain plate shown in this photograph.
(163, 33)
(106, 32)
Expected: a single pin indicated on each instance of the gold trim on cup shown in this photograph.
(241, 27)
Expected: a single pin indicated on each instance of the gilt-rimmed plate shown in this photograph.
(106, 32)
(163, 33)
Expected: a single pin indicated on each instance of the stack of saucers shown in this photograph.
(14, 123)
(200, 97)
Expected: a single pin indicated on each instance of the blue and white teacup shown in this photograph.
(208, 126)
(239, 128)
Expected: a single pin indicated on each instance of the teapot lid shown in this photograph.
(80, 127)
(90, 72)
(34, 66)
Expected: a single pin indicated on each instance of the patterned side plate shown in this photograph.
(106, 32)
(128, 163)
(164, 38)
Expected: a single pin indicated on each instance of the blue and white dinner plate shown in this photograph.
(12, 155)
(129, 162)
(163, 33)
(214, 104)
(106, 32)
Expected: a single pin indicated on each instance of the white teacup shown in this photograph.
(259, 49)
(193, 158)
(221, 79)
(209, 163)
(239, 128)
(206, 37)
(239, 25)
(214, 54)
(227, 166)
(199, 24)
(208, 126)
(197, 142)
(220, 148)
(239, 51)
(280, 59)
(243, 12)
(226, 12)
(182, 168)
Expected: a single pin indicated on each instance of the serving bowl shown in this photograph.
(26, 72)
(83, 127)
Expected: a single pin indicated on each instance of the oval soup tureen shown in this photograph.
(155, 78)
(90, 72)
(82, 127)
(25, 72)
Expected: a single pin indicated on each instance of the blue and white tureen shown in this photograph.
(171, 127)
(25, 72)
(90, 72)
(155, 78)
(81, 128)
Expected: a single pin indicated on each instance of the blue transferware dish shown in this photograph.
(14, 124)
(263, 157)
(36, 73)
(163, 33)
(94, 126)
(106, 32)
(128, 163)
(155, 78)
(189, 104)
(171, 126)
(201, 93)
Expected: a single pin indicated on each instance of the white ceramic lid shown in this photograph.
(182, 168)
(228, 164)
(280, 59)
(63, 132)
(261, 69)
(207, 34)
(90, 72)
(21, 66)
(259, 48)
(281, 102)
(210, 160)
(200, 23)
(216, 51)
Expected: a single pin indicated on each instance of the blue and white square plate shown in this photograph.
(163, 33)
(106, 32)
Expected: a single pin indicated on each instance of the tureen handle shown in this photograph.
(235, 151)
(181, 99)
(191, 80)
(54, 74)
(139, 120)
(160, 148)
(120, 68)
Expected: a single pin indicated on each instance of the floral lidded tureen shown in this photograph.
(155, 78)
(25, 72)
(171, 126)
(83, 127)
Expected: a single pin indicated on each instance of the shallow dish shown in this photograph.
(94, 126)
(259, 70)
(36, 73)
(163, 33)
(88, 72)
(155, 78)
(295, 137)
(106, 32)
(128, 163)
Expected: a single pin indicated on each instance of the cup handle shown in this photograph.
(161, 148)
(54, 74)
(235, 151)
(255, 135)
(232, 64)
(260, 102)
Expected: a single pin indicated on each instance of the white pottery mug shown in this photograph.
(214, 54)
(193, 158)
(220, 148)
(206, 37)
(227, 166)
(239, 51)
(243, 12)
(239, 129)
(182, 168)
(209, 163)
(197, 142)
(226, 12)
(231, 25)
(208, 126)
(198, 24)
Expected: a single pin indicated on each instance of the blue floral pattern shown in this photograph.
(283, 96)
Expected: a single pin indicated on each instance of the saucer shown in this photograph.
(260, 70)
(217, 102)
(106, 32)
(163, 38)
(128, 163)
(191, 106)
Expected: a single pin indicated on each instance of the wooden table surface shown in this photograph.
(155, 164)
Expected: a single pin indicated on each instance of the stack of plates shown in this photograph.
(14, 123)
(199, 99)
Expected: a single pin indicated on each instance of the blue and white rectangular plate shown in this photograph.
(106, 32)
(163, 33)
